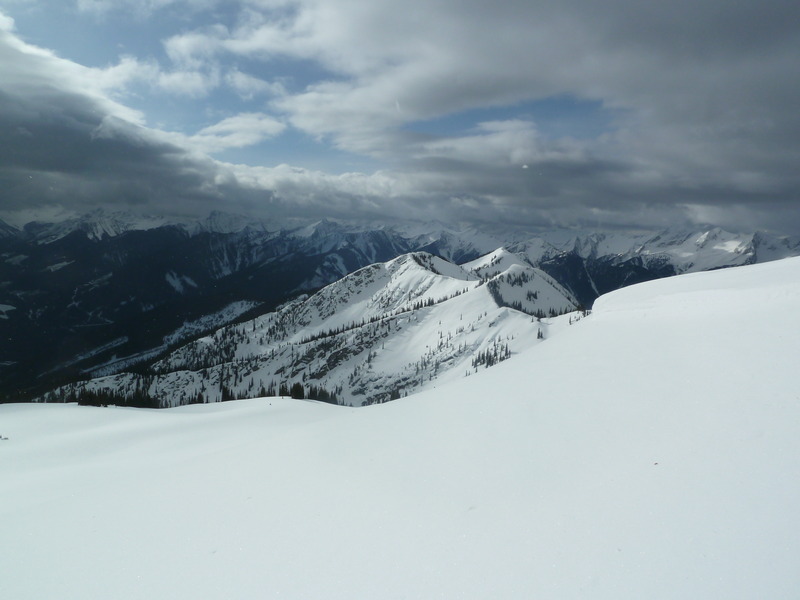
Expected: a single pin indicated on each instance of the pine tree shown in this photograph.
(297, 391)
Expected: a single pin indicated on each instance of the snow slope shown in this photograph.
(648, 451)
(493, 263)
(384, 331)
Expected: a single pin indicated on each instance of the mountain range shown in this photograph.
(105, 293)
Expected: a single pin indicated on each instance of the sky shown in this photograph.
(543, 113)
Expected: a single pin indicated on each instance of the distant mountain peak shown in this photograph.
(96, 225)
(8, 231)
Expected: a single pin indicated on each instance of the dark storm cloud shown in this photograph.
(59, 144)
(53, 149)
(705, 95)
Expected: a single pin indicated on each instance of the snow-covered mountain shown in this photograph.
(494, 262)
(95, 225)
(593, 264)
(384, 331)
(650, 450)
(83, 299)
(456, 244)
(114, 289)
(7, 231)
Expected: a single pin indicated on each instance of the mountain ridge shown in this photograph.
(112, 277)
(383, 331)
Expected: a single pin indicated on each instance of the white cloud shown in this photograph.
(194, 84)
(28, 69)
(247, 86)
(115, 79)
(502, 143)
(6, 23)
(242, 130)
(239, 131)
(192, 50)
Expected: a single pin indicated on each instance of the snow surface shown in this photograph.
(210, 321)
(59, 266)
(188, 329)
(493, 263)
(177, 282)
(648, 451)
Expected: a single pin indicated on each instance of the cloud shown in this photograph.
(6, 23)
(29, 71)
(248, 86)
(65, 146)
(242, 130)
(193, 49)
(63, 140)
(700, 98)
(707, 96)
(513, 143)
(194, 84)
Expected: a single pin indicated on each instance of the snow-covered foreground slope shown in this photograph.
(649, 451)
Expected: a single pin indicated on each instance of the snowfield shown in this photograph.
(651, 450)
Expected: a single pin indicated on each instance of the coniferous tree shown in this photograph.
(297, 391)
